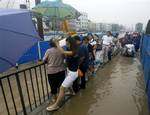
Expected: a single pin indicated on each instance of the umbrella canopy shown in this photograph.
(56, 9)
(17, 36)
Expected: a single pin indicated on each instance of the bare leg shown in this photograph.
(60, 96)
(54, 98)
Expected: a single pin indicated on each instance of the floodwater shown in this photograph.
(118, 89)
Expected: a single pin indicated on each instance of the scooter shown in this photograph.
(128, 50)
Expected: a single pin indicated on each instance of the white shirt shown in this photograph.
(93, 42)
(107, 40)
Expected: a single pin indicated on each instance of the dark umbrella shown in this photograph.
(17, 36)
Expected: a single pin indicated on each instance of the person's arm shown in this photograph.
(45, 58)
(60, 38)
(67, 53)
(104, 36)
(111, 42)
(93, 53)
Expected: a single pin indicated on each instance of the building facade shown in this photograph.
(91, 26)
(82, 22)
(139, 27)
(17, 4)
(100, 27)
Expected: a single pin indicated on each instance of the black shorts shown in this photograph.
(55, 81)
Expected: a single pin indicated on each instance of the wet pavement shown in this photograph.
(118, 89)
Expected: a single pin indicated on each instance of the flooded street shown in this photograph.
(118, 89)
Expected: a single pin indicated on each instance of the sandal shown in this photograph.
(70, 94)
(52, 108)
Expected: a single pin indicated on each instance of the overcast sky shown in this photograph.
(117, 11)
(127, 12)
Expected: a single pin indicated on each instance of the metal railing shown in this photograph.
(24, 90)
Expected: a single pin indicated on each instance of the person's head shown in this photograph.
(52, 43)
(90, 36)
(71, 44)
(85, 40)
(116, 35)
(77, 38)
(126, 33)
(109, 33)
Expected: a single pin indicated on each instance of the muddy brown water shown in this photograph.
(118, 89)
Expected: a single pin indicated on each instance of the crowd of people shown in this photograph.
(82, 53)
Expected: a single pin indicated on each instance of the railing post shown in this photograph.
(21, 94)
(39, 51)
(4, 97)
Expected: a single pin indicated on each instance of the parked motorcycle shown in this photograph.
(128, 50)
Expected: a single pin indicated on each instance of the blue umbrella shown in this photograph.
(17, 36)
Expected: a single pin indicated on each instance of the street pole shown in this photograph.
(39, 22)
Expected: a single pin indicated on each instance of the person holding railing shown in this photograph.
(55, 68)
(72, 67)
